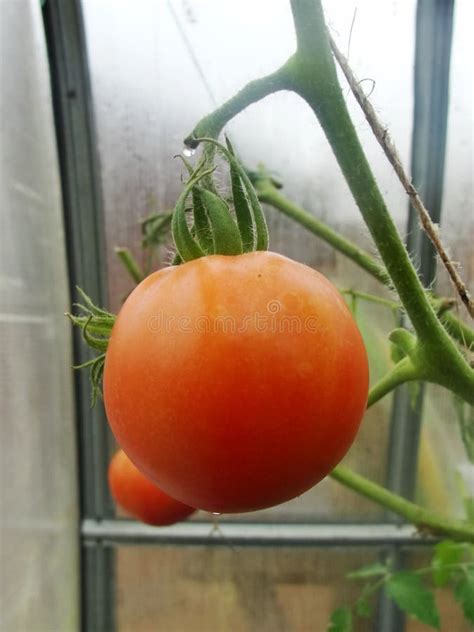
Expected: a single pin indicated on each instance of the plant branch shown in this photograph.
(458, 329)
(212, 125)
(130, 264)
(372, 298)
(385, 141)
(403, 371)
(426, 521)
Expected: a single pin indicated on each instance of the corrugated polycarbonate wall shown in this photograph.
(39, 570)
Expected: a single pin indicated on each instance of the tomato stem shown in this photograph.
(130, 264)
(425, 520)
(403, 371)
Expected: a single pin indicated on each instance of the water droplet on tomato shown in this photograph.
(188, 152)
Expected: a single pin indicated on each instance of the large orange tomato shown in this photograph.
(235, 382)
(139, 497)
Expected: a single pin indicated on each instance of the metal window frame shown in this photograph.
(80, 169)
(83, 220)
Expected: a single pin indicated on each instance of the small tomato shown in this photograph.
(141, 498)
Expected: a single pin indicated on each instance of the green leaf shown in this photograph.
(259, 221)
(341, 620)
(201, 223)
(446, 554)
(91, 307)
(225, 232)
(363, 607)
(408, 592)
(188, 248)
(242, 208)
(464, 593)
(372, 570)
(96, 375)
(155, 229)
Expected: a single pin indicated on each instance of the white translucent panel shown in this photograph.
(39, 569)
(457, 220)
(450, 611)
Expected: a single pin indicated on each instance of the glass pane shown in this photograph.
(242, 589)
(451, 616)
(38, 487)
(444, 471)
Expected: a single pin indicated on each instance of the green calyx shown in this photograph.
(96, 326)
(216, 227)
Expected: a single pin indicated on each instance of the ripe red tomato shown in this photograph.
(140, 497)
(235, 382)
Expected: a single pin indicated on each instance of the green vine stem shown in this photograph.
(372, 298)
(130, 264)
(404, 371)
(269, 194)
(426, 521)
(458, 329)
(213, 124)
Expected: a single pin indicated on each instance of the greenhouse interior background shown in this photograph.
(96, 99)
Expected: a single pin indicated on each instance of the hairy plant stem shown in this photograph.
(426, 521)
(130, 264)
(212, 125)
(403, 371)
(388, 146)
